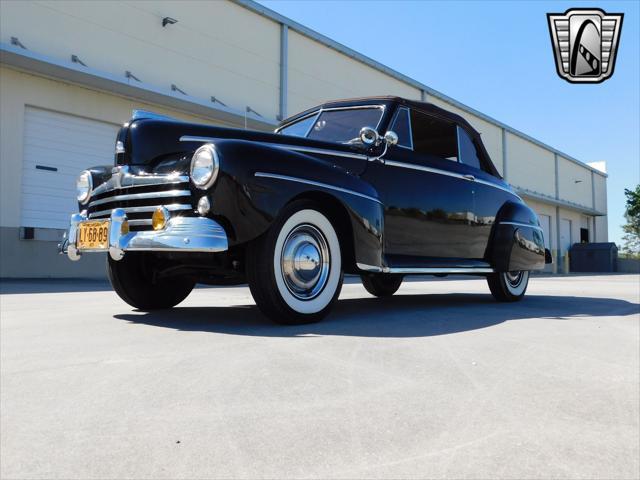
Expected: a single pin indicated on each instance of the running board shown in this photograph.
(427, 270)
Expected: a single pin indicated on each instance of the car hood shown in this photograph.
(152, 144)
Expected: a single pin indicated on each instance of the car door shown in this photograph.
(428, 201)
(489, 192)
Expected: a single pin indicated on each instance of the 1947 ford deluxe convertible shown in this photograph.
(379, 187)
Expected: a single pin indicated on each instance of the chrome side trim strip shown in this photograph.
(297, 148)
(320, 151)
(499, 187)
(315, 184)
(438, 171)
(368, 268)
(519, 224)
(151, 208)
(408, 271)
(421, 168)
(142, 196)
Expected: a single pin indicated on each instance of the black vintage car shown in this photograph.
(379, 187)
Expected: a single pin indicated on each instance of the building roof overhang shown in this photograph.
(558, 202)
(68, 71)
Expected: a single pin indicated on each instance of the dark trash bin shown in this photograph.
(593, 257)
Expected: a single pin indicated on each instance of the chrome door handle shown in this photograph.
(471, 178)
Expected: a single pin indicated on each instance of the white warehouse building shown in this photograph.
(72, 72)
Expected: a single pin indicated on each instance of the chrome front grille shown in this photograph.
(139, 196)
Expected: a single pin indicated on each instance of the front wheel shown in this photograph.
(295, 269)
(508, 286)
(133, 279)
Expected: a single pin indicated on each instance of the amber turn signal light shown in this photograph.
(160, 218)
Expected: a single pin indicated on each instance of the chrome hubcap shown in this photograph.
(514, 278)
(305, 262)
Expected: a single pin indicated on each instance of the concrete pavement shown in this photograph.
(437, 382)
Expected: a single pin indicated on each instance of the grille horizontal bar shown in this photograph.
(132, 181)
(135, 223)
(149, 208)
(141, 196)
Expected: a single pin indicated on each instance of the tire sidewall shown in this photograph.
(130, 281)
(381, 284)
(515, 291)
(308, 215)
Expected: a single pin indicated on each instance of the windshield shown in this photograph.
(341, 126)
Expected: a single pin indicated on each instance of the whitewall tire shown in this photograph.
(508, 286)
(295, 270)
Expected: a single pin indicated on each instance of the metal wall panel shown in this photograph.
(530, 166)
(318, 74)
(216, 49)
(574, 182)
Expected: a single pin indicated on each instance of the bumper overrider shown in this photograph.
(180, 234)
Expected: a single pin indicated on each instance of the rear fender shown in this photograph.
(517, 242)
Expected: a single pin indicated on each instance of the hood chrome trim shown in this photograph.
(284, 146)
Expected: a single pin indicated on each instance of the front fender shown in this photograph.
(256, 181)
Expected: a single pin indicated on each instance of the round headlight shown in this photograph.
(204, 166)
(84, 185)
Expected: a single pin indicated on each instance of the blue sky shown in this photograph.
(496, 57)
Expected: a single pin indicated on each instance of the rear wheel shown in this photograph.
(295, 269)
(133, 279)
(508, 286)
(381, 284)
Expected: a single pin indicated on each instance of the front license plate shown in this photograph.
(93, 235)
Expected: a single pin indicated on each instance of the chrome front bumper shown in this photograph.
(181, 234)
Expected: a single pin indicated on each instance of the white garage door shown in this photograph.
(57, 147)
(565, 235)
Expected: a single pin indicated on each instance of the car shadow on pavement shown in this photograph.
(398, 316)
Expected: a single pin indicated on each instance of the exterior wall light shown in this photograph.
(76, 59)
(168, 21)
(175, 88)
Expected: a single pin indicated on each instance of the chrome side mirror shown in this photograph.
(391, 138)
(369, 136)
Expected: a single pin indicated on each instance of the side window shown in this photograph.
(432, 136)
(300, 128)
(402, 127)
(468, 152)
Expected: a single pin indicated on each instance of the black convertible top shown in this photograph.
(425, 107)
